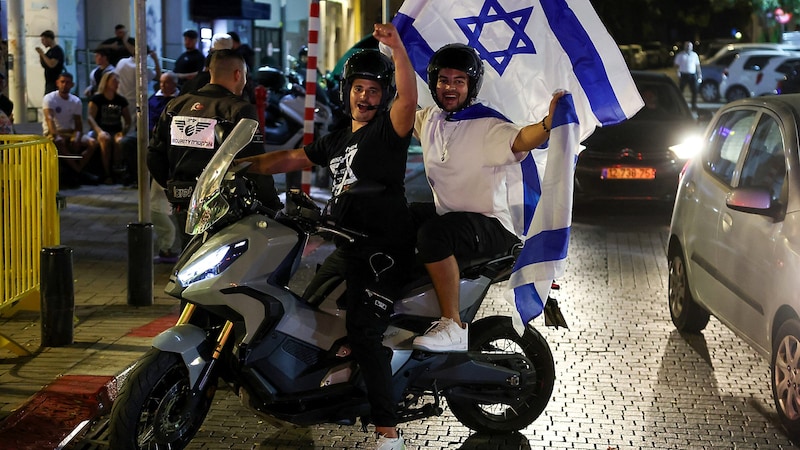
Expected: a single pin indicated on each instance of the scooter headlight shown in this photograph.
(211, 264)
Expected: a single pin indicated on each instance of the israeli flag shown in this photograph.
(546, 185)
(530, 48)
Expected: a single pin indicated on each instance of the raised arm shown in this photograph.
(537, 133)
(405, 104)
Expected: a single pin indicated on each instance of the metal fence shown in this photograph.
(28, 217)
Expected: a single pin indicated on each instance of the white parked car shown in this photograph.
(745, 75)
(713, 67)
(734, 244)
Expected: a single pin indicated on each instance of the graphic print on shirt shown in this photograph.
(110, 116)
(341, 169)
(197, 132)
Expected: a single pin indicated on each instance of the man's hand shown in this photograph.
(387, 34)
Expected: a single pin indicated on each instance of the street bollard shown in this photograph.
(57, 296)
(140, 264)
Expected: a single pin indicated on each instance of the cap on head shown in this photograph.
(371, 65)
(459, 57)
(221, 41)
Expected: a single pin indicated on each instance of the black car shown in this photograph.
(641, 158)
(790, 84)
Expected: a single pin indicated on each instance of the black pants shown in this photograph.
(375, 277)
(464, 235)
(689, 79)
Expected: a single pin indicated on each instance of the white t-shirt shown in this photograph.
(687, 62)
(467, 162)
(126, 71)
(64, 110)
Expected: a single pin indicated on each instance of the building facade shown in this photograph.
(80, 25)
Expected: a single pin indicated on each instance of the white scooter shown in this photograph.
(286, 357)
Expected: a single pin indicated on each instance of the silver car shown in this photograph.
(734, 245)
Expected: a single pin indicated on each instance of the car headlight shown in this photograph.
(688, 148)
(211, 264)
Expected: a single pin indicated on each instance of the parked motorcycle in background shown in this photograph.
(285, 114)
(287, 356)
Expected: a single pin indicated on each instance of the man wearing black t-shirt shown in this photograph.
(52, 60)
(190, 62)
(372, 150)
(120, 46)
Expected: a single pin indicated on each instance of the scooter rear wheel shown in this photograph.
(516, 407)
(154, 409)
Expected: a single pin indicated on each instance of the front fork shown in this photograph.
(222, 339)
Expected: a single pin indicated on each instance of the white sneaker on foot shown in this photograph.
(385, 443)
(444, 336)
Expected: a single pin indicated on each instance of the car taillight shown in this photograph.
(759, 77)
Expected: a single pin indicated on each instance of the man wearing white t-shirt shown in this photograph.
(689, 71)
(468, 149)
(63, 123)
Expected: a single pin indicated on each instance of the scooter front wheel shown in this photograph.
(155, 409)
(515, 407)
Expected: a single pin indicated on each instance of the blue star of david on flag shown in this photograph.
(491, 12)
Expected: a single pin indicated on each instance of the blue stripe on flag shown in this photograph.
(419, 52)
(531, 189)
(563, 116)
(529, 304)
(586, 61)
(547, 245)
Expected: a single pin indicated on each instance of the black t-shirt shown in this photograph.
(190, 61)
(6, 105)
(51, 74)
(109, 112)
(118, 49)
(373, 154)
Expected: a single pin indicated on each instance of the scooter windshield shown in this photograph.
(207, 205)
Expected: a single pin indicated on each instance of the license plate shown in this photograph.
(628, 173)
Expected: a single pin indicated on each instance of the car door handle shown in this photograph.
(727, 222)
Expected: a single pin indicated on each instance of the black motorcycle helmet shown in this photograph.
(372, 65)
(460, 57)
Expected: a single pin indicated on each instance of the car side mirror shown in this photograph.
(752, 200)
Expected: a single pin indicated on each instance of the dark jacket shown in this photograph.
(202, 120)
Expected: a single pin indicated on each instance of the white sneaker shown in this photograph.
(385, 443)
(444, 336)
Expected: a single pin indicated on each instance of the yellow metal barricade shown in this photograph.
(28, 220)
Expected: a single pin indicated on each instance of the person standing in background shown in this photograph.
(164, 223)
(689, 71)
(120, 46)
(190, 62)
(103, 66)
(52, 60)
(245, 50)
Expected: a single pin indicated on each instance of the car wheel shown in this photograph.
(687, 315)
(786, 376)
(736, 93)
(709, 91)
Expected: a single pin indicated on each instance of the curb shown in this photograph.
(64, 410)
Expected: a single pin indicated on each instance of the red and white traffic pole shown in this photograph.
(311, 86)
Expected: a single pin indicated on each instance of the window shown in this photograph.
(757, 62)
(765, 164)
(726, 144)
